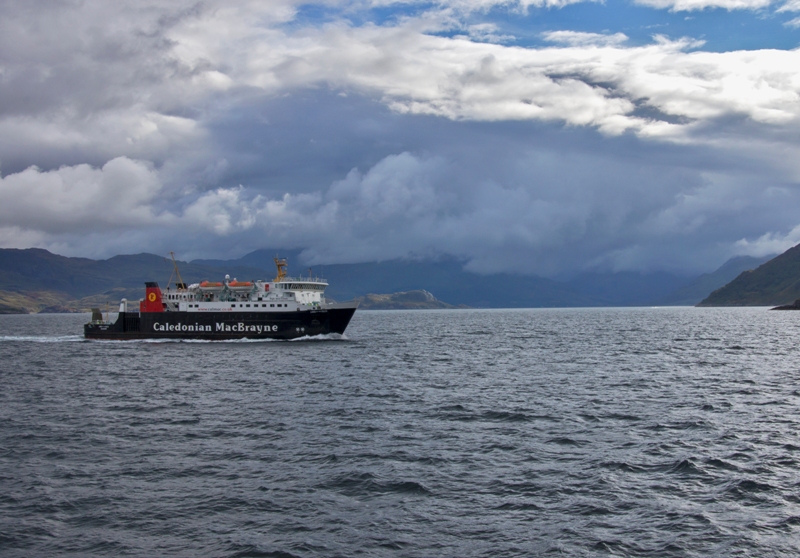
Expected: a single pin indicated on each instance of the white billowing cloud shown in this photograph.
(694, 5)
(593, 81)
(137, 133)
(673, 5)
(138, 79)
(486, 32)
(355, 215)
(81, 198)
(480, 5)
(790, 6)
(578, 38)
(769, 243)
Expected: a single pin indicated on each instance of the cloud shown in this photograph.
(533, 200)
(215, 128)
(769, 243)
(119, 195)
(664, 90)
(695, 5)
(578, 39)
(555, 211)
(790, 6)
(142, 84)
(486, 32)
(481, 5)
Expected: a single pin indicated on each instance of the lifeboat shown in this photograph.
(211, 287)
(240, 285)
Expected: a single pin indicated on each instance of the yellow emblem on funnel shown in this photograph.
(151, 297)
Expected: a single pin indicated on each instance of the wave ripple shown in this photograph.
(598, 432)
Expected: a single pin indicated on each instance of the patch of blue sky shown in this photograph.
(311, 15)
(721, 30)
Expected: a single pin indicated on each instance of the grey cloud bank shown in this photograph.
(214, 130)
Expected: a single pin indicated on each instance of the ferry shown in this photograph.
(284, 308)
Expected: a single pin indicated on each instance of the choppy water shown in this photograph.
(598, 432)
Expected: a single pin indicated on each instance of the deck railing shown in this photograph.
(304, 280)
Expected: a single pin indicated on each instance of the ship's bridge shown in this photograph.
(305, 289)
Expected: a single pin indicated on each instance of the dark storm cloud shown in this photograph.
(519, 196)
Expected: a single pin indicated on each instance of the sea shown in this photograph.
(457, 433)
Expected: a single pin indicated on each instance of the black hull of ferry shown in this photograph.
(220, 326)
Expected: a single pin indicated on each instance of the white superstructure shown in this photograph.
(284, 293)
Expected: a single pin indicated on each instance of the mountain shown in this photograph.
(773, 283)
(448, 281)
(445, 278)
(39, 270)
(35, 279)
(699, 288)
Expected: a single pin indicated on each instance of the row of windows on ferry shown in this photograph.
(248, 306)
(293, 287)
(300, 286)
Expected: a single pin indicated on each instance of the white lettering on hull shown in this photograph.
(181, 327)
(241, 327)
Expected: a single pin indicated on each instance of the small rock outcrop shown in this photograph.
(408, 300)
(793, 306)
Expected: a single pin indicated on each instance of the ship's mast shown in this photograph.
(181, 284)
(281, 264)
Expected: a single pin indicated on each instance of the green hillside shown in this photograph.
(701, 287)
(773, 283)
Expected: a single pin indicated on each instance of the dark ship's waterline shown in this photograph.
(285, 308)
(179, 325)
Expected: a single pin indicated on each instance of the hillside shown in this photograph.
(699, 288)
(36, 280)
(773, 283)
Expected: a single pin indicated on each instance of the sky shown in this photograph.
(545, 137)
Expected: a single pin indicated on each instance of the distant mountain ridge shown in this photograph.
(451, 284)
(773, 283)
(698, 289)
(36, 280)
(39, 270)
